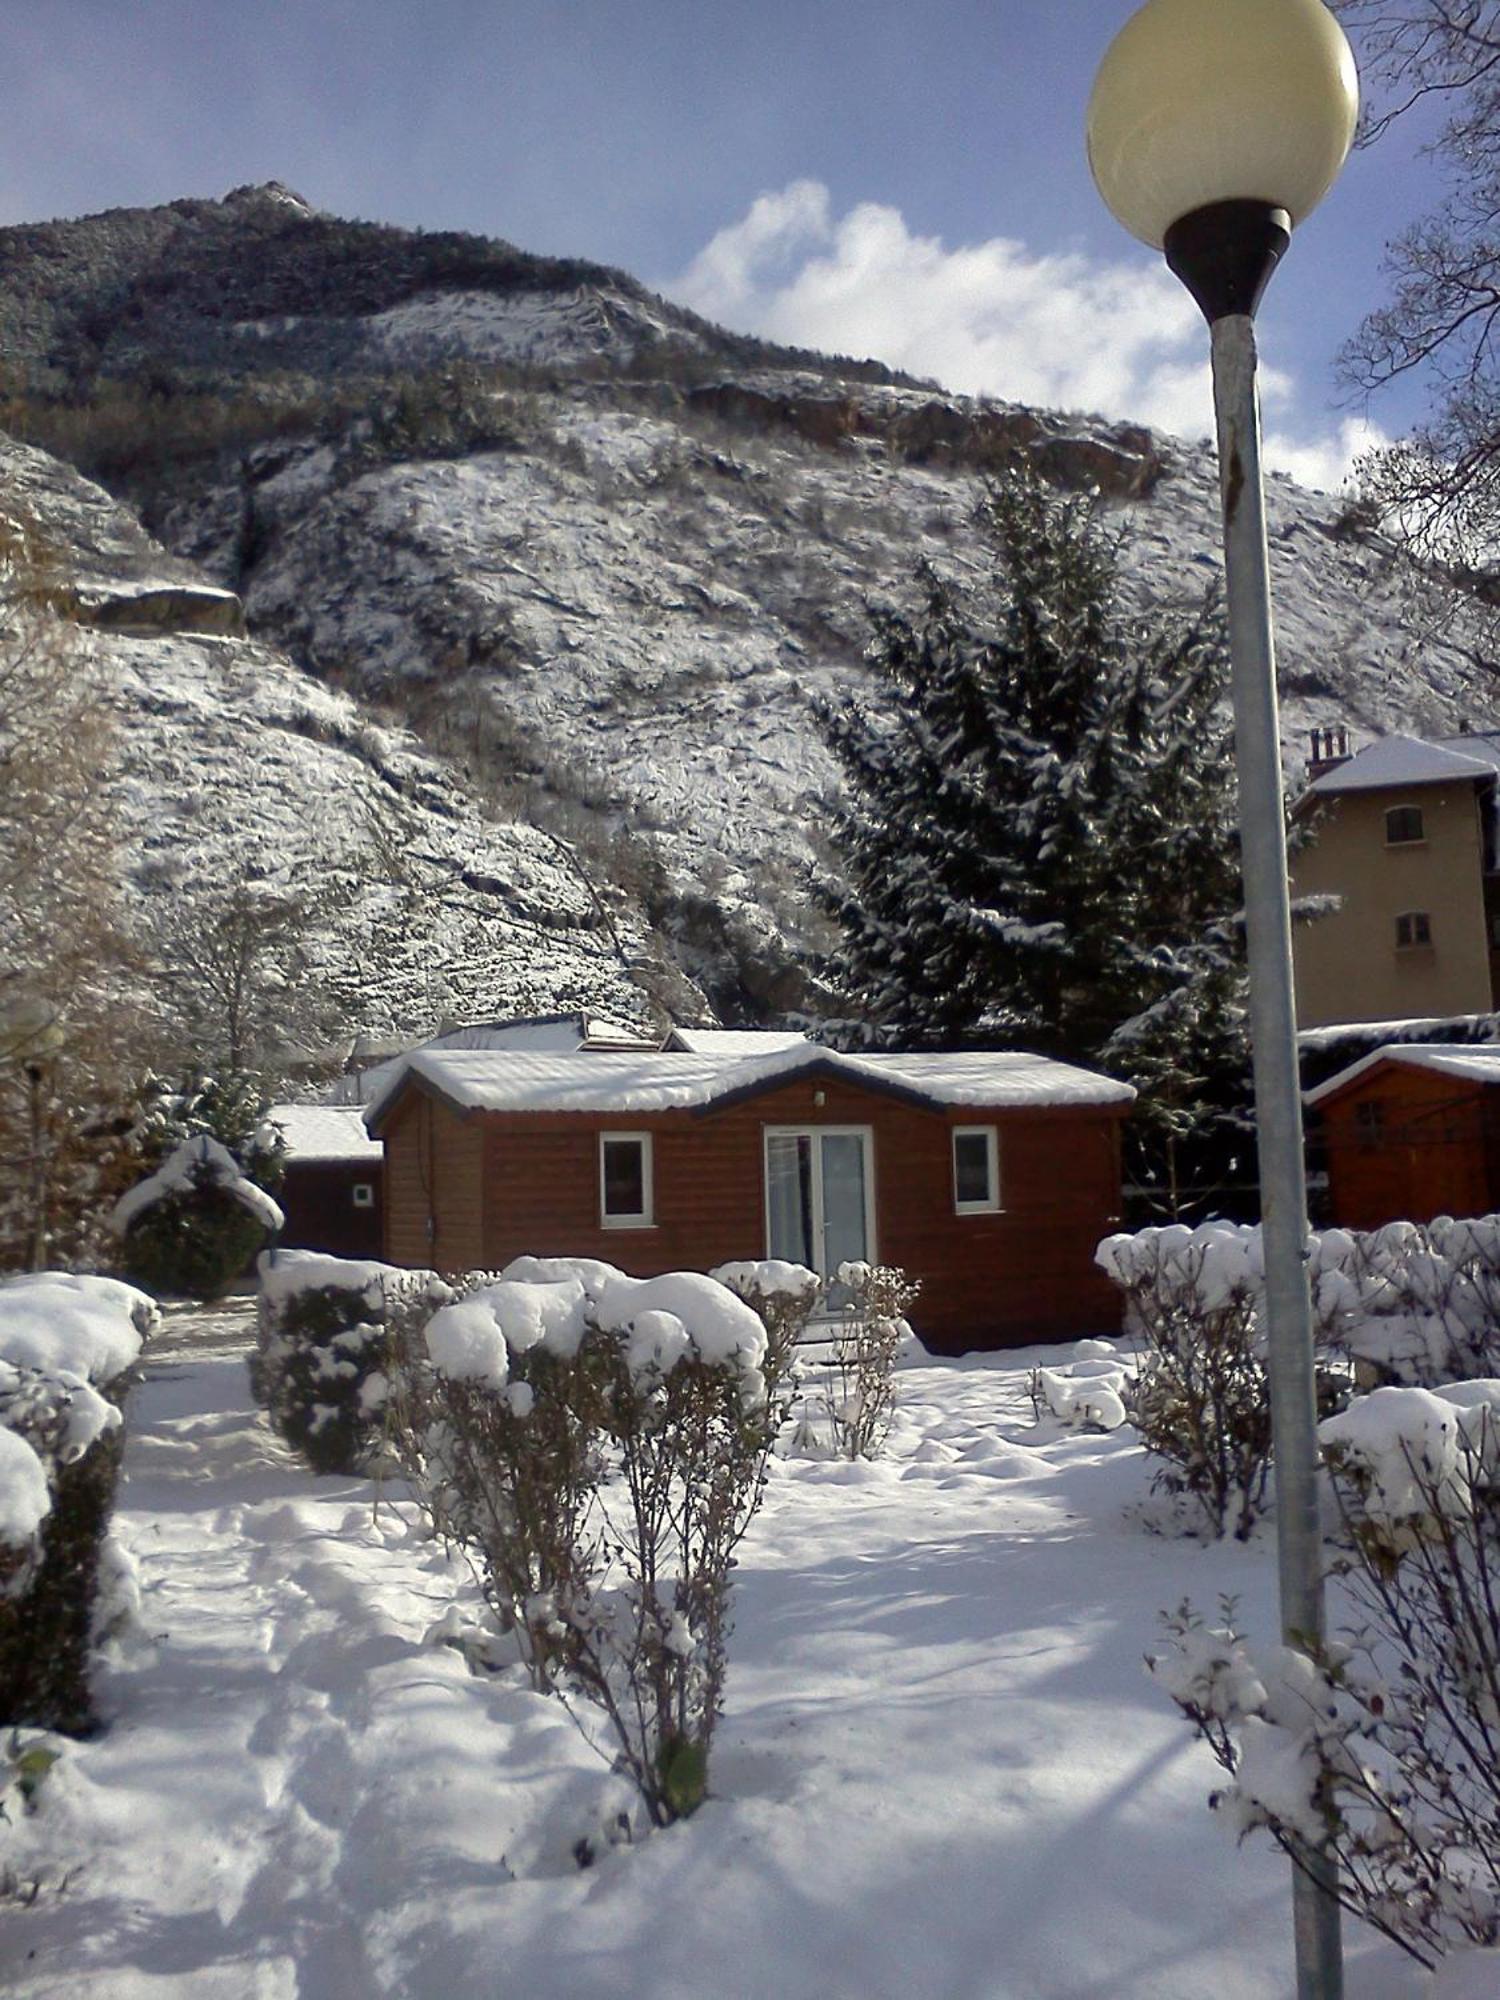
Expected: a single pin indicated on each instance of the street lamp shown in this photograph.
(31, 1034)
(1213, 128)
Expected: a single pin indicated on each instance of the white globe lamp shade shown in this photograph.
(1203, 101)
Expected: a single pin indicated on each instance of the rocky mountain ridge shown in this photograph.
(233, 765)
(605, 560)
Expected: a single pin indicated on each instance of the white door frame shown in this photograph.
(866, 1135)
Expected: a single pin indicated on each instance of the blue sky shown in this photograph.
(900, 179)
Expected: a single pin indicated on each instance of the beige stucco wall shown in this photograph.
(1348, 967)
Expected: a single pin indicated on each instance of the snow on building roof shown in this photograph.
(1474, 1065)
(734, 1041)
(635, 1085)
(324, 1132)
(1401, 760)
(559, 1032)
(1413, 1030)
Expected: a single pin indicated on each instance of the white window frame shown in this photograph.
(866, 1134)
(991, 1136)
(1411, 919)
(646, 1218)
(363, 1194)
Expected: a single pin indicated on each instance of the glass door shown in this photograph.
(819, 1199)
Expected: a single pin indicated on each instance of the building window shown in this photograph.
(1413, 928)
(976, 1169)
(1403, 826)
(625, 1180)
(364, 1194)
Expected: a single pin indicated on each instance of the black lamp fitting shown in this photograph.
(1225, 253)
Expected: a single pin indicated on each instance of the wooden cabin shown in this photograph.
(1409, 1132)
(989, 1178)
(332, 1190)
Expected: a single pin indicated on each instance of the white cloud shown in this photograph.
(1326, 463)
(1052, 329)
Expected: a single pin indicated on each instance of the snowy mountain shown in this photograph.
(233, 764)
(602, 558)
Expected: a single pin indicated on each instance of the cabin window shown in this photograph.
(1413, 928)
(625, 1180)
(364, 1194)
(976, 1169)
(1403, 826)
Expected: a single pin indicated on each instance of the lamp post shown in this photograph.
(31, 1034)
(1214, 126)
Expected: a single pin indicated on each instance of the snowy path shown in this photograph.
(942, 1771)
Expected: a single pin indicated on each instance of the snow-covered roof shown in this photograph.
(733, 1041)
(1412, 1030)
(324, 1132)
(1474, 1065)
(1401, 760)
(636, 1085)
(546, 1032)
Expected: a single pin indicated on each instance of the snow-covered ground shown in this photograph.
(942, 1770)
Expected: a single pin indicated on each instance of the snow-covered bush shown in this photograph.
(1388, 1746)
(323, 1355)
(67, 1348)
(193, 1226)
(1200, 1397)
(1415, 1303)
(849, 1414)
(598, 1444)
(786, 1296)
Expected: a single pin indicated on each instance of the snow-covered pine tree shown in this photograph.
(1037, 839)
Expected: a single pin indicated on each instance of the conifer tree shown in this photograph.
(1037, 840)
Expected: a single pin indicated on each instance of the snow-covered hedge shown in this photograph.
(1414, 1302)
(323, 1360)
(597, 1443)
(1409, 1303)
(67, 1347)
(1387, 1743)
(192, 1227)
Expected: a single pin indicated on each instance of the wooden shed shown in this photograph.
(1409, 1132)
(989, 1178)
(331, 1194)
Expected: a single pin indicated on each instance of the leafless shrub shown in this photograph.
(1386, 1747)
(848, 1415)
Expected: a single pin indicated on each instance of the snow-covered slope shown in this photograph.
(231, 763)
(644, 604)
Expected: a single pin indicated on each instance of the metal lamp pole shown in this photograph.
(1212, 126)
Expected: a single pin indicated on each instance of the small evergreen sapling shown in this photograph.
(194, 1225)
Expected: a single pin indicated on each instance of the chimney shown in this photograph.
(1330, 746)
